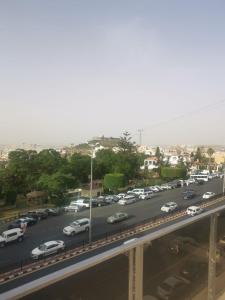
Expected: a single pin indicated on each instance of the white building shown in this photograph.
(150, 163)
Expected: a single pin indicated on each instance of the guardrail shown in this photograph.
(28, 266)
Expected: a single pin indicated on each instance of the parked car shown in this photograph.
(11, 235)
(39, 214)
(74, 208)
(173, 287)
(168, 207)
(194, 210)
(222, 241)
(111, 199)
(77, 226)
(53, 211)
(121, 195)
(194, 270)
(117, 217)
(129, 199)
(154, 189)
(47, 248)
(208, 195)
(29, 221)
(85, 202)
(138, 191)
(146, 195)
(101, 202)
(166, 187)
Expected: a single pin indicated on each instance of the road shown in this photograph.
(51, 228)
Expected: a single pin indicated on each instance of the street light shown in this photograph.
(90, 200)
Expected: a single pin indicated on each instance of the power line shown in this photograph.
(193, 112)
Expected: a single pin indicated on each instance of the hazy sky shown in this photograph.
(71, 70)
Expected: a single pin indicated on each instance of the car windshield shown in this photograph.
(74, 224)
(42, 247)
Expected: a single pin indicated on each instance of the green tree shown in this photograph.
(56, 184)
(125, 144)
(80, 166)
(158, 153)
(114, 181)
(49, 161)
(210, 152)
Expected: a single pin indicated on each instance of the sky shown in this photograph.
(72, 70)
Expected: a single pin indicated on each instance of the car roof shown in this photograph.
(171, 203)
(193, 207)
(51, 243)
(81, 220)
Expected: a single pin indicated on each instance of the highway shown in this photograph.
(51, 228)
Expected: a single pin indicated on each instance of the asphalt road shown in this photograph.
(51, 228)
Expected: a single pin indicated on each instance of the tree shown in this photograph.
(49, 161)
(104, 162)
(210, 152)
(158, 153)
(125, 144)
(114, 181)
(56, 184)
(80, 167)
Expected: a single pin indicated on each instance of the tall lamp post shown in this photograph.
(90, 202)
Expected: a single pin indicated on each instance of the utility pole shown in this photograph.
(140, 136)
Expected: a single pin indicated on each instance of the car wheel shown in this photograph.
(20, 239)
(72, 233)
(99, 205)
(87, 229)
(2, 244)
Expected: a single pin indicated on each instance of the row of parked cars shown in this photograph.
(122, 198)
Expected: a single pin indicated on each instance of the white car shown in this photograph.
(77, 226)
(168, 207)
(154, 189)
(208, 195)
(47, 248)
(194, 210)
(121, 195)
(82, 202)
(11, 235)
(136, 191)
(129, 199)
(146, 195)
(73, 208)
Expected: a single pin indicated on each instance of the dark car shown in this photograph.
(53, 211)
(173, 287)
(38, 214)
(194, 270)
(18, 223)
(188, 194)
(100, 201)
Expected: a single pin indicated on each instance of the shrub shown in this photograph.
(173, 173)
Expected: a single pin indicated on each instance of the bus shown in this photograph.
(200, 177)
